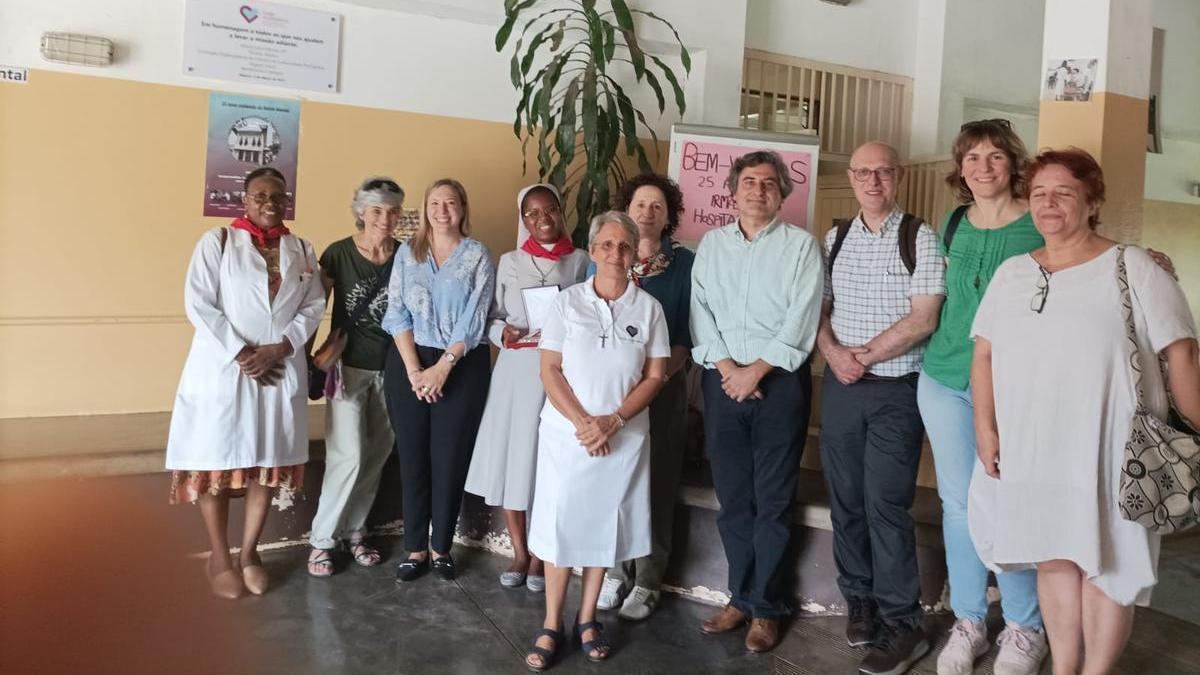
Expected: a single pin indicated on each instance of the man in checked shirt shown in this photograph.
(884, 286)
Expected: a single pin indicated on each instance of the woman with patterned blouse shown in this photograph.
(437, 372)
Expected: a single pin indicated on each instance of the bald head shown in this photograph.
(874, 174)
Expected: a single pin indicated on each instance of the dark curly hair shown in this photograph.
(668, 187)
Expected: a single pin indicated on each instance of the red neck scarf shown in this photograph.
(561, 247)
(257, 232)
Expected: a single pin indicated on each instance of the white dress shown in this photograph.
(505, 456)
(595, 511)
(222, 419)
(1064, 398)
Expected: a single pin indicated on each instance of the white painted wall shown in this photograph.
(426, 57)
(1180, 114)
(1170, 176)
(871, 34)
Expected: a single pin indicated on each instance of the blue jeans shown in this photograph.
(949, 421)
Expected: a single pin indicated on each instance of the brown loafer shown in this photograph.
(763, 635)
(730, 617)
(255, 578)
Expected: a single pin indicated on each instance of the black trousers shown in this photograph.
(434, 442)
(871, 435)
(754, 448)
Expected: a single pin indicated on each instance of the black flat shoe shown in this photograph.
(443, 567)
(411, 569)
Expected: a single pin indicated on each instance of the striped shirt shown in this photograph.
(871, 289)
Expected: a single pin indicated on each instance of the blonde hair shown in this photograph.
(420, 242)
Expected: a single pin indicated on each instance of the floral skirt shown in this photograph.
(187, 486)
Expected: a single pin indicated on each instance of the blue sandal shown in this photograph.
(548, 655)
(599, 643)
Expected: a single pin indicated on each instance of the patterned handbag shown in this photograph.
(1160, 477)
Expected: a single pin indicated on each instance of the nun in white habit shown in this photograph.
(240, 419)
(505, 455)
(604, 353)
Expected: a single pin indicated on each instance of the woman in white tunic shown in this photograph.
(505, 457)
(604, 353)
(240, 423)
(1054, 395)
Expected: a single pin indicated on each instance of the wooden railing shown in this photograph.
(845, 106)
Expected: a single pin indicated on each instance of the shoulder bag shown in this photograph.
(1160, 475)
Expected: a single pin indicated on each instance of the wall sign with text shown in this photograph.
(701, 158)
(262, 43)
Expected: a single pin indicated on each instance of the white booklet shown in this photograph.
(537, 301)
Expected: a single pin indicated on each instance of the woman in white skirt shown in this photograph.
(505, 456)
(604, 353)
(1054, 395)
(240, 421)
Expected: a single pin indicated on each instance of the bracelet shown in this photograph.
(620, 420)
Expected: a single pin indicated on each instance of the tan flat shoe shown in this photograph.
(256, 579)
(226, 585)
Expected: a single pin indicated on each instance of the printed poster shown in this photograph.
(244, 134)
(1069, 79)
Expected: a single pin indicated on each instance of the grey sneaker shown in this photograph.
(1022, 650)
(968, 641)
(612, 592)
(639, 605)
(535, 583)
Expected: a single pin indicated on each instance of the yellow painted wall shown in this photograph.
(1175, 228)
(100, 199)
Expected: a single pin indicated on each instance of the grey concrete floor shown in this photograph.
(361, 621)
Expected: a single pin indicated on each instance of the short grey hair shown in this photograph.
(755, 159)
(373, 191)
(626, 223)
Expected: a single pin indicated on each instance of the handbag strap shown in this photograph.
(1135, 356)
(380, 280)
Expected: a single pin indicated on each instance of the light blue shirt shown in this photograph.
(444, 305)
(756, 299)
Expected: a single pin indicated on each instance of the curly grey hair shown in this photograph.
(374, 191)
(631, 231)
(754, 159)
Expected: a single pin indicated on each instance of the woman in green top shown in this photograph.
(993, 225)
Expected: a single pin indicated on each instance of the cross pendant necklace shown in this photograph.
(540, 273)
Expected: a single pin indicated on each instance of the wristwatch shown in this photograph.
(450, 358)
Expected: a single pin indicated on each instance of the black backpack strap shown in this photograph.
(909, 226)
(843, 228)
(952, 225)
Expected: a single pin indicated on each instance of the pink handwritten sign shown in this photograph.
(700, 166)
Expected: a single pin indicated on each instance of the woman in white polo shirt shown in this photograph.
(604, 354)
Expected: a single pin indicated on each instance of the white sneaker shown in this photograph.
(968, 641)
(1022, 650)
(612, 591)
(639, 605)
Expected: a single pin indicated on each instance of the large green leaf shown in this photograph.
(510, 19)
(610, 41)
(624, 18)
(683, 52)
(635, 54)
(662, 103)
(628, 123)
(531, 53)
(589, 106)
(679, 102)
(565, 139)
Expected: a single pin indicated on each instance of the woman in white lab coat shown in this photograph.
(604, 357)
(240, 423)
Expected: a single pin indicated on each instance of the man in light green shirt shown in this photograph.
(755, 308)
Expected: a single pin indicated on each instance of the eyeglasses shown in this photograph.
(885, 175)
(383, 183)
(262, 198)
(536, 214)
(995, 121)
(610, 246)
(1043, 291)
